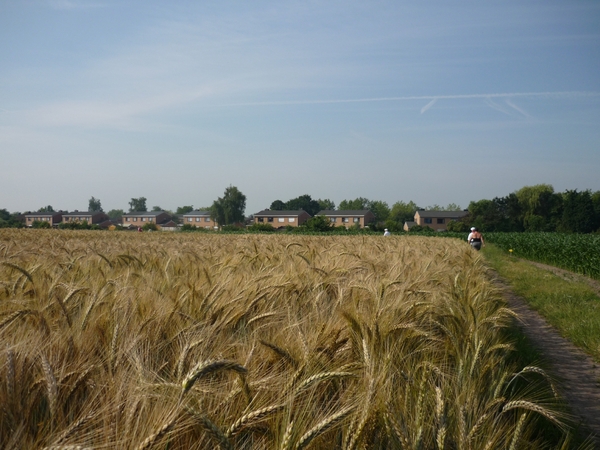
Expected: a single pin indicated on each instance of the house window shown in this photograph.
(356, 219)
(150, 219)
(269, 219)
(440, 221)
(292, 219)
(261, 219)
(198, 219)
(428, 220)
(189, 219)
(345, 220)
(207, 219)
(281, 219)
(126, 219)
(143, 219)
(333, 219)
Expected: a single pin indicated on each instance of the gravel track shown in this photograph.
(577, 372)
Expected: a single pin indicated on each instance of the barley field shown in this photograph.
(182, 341)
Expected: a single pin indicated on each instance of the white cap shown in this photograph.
(473, 228)
(385, 229)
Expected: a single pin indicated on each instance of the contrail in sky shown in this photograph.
(425, 97)
(428, 105)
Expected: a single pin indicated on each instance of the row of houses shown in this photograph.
(438, 220)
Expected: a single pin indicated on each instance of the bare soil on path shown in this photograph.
(578, 374)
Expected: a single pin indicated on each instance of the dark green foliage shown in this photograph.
(95, 205)
(229, 209)
(48, 208)
(115, 213)
(420, 229)
(537, 208)
(318, 223)
(138, 204)
(457, 226)
(326, 204)
(40, 224)
(184, 209)
(261, 227)
(150, 227)
(8, 220)
(304, 202)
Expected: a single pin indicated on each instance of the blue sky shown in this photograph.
(435, 101)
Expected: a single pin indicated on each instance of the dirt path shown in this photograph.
(578, 373)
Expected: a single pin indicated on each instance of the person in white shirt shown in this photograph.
(386, 232)
(470, 234)
(475, 239)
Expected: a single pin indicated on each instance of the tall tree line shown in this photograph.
(538, 208)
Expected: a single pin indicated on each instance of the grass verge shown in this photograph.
(571, 307)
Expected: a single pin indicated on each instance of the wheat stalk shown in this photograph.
(213, 430)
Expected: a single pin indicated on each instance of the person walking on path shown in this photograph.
(475, 238)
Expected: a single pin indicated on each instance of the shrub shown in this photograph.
(40, 224)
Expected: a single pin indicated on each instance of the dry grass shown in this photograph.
(154, 340)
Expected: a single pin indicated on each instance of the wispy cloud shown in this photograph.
(559, 94)
(74, 4)
(515, 107)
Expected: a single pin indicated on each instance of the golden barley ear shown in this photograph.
(207, 367)
(323, 426)
(51, 386)
(251, 418)
(159, 434)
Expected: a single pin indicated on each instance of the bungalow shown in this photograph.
(137, 219)
(92, 218)
(199, 219)
(54, 218)
(348, 218)
(438, 220)
(279, 219)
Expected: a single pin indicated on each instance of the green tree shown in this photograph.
(304, 202)
(48, 208)
(380, 209)
(157, 208)
(184, 209)
(326, 204)
(540, 207)
(578, 212)
(278, 205)
(138, 204)
(358, 204)
(229, 209)
(8, 220)
(115, 213)
(95, 205)
(403, 212)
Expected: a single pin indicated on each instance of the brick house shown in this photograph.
(279, 219)
(136, 219)
(54, 218)
(199, 219)
(349, 218)
(92, 218)
(438, 220)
